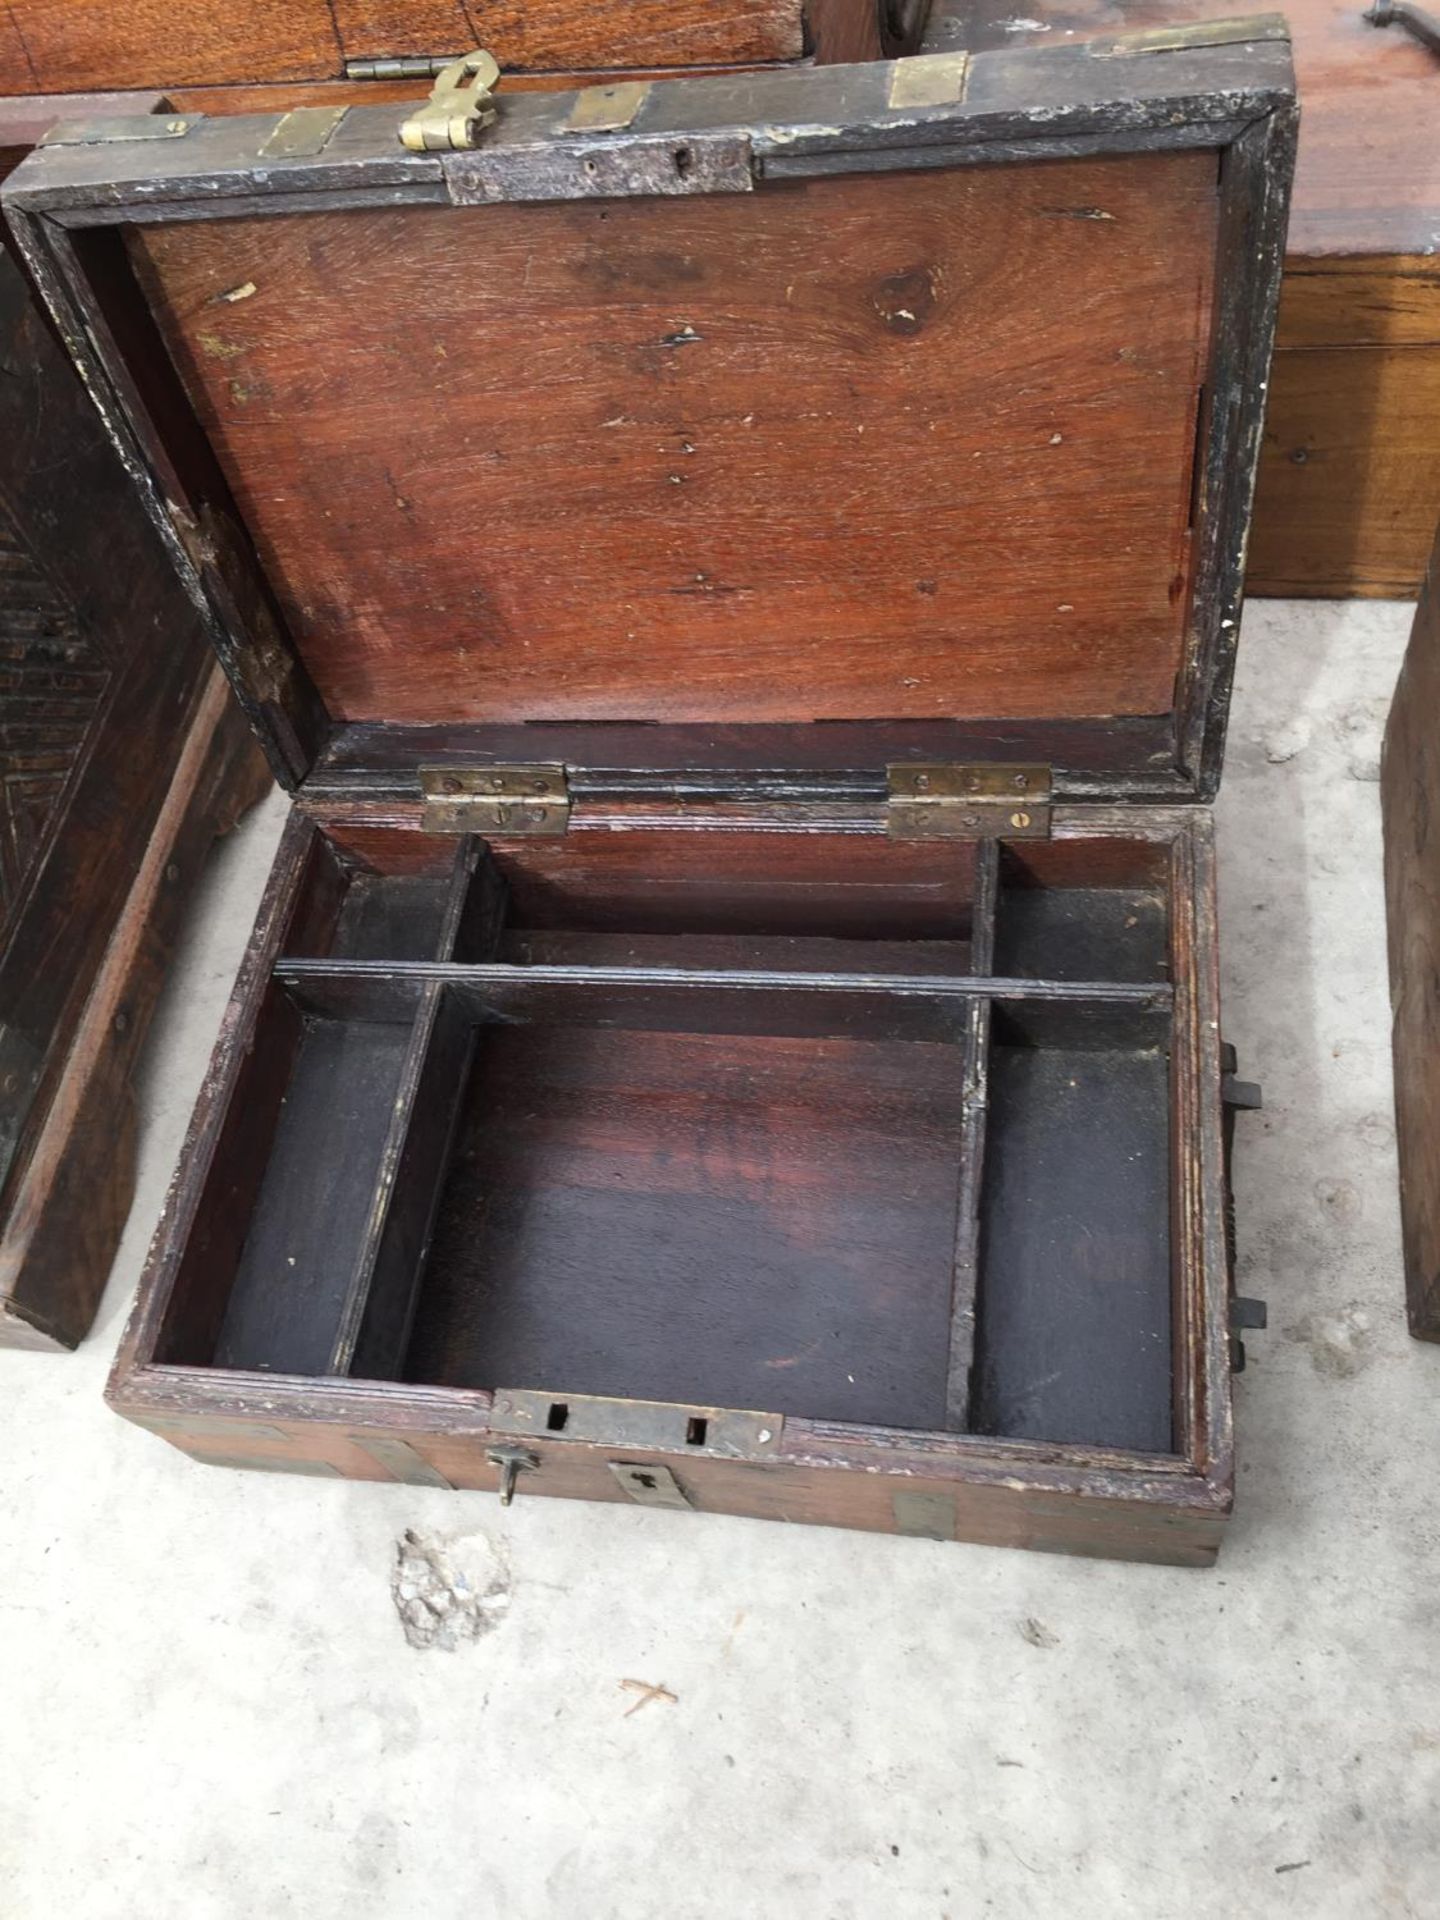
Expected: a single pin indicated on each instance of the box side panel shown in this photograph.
(1410, 797)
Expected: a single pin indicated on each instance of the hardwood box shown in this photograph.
(1410, 800)
(121, 756)
(745, 603)
(1349, 484)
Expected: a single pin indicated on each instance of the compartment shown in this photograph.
(1073, 1335)
(735, 899)
(1084, 910)
(701, 1161)
(312, 1204)
(732, 900)
(752, 1221)
(381, 893)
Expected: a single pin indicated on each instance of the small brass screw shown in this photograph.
(1020, 819)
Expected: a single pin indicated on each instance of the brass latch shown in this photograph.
(983, 800)
(459, 109)
(510, 800)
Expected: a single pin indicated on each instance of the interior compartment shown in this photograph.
(1073, 1324)
(835, 903)
(750, 1221)
(722, 1120)
(310, 1213)
(1083, 910)
(382, 893)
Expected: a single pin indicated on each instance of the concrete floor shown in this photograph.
(210, 1706)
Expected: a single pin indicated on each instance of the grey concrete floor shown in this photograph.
(209, 1706)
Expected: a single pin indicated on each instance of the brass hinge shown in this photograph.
(460, 107)
(399, 66)
(503, 800)
(982, 800)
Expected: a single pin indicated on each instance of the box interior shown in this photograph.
(826, 1125)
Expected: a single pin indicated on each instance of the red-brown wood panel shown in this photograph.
(58, 46)
(560, 33)
(890, 446)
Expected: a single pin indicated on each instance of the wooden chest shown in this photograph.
(742, 582)
(121, 756)
(237, 55)
(1410, 798)
(1349, 482)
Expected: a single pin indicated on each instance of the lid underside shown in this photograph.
(883, 448)
(866, 448)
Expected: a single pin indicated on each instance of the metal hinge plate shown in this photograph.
(984, 800)
(513, 800)
(460, 107)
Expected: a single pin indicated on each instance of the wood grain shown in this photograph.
(568, 33)
(1361, 270)
(1410, 798)
(739, 1222)
(59, 1234)
(1349, 471)
(68, 46)
(74, 45)
(833, 885)
(668, 461)
(1369, 104)
(99, 648)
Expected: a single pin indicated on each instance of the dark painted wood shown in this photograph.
(1074, 1329)
(100, 841)
(1083, 933)
(677, 1000)
(1410, 797)
(375, 1335)
(390, 917)
(303, 1234)
(841, 759)
(72, 1197)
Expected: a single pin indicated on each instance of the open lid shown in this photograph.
(687, 434)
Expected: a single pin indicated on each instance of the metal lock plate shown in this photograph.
(732, 1433)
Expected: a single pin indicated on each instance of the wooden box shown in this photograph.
(745, 601)
(1349, 484)
(1410, 799)
(237, 56)
(121, 756)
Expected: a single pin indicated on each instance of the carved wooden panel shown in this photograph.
(51, 688)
